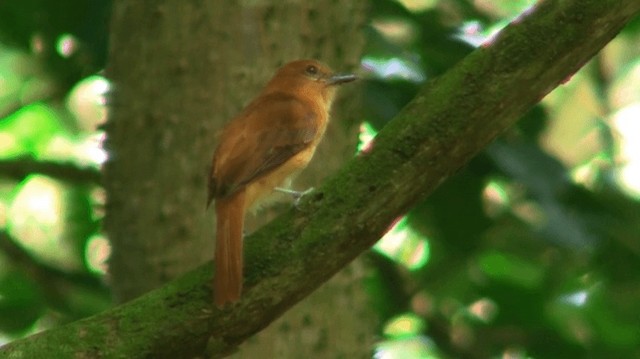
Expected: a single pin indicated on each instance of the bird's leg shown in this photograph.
(297, 195)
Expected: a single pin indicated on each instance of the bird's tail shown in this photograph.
(228, 256)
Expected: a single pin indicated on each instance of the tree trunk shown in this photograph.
(180, 70)
(159, 141)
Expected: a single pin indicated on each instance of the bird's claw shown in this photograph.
(297, 195)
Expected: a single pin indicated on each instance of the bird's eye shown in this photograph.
(311, 70)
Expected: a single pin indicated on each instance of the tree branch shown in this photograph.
(453, 118)
(19, 168)
(54, 282)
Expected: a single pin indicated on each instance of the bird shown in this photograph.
(262, 148)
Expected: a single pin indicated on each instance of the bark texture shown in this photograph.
(158, 141)
(181, 69)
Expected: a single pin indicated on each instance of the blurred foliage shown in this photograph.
(50, 203)
(534, 246)
(41, 27)
(532, 250)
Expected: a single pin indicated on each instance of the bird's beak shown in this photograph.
(338, 79)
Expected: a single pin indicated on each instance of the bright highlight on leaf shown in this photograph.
(29, 130)
(97, 253)
(484, 310)
(405, 246)
(418, 5)
(417, 346)
(495, 198)
(405, 339)
(577, 299)
(48, 217)
(405, 325)
(628, 125)
(366, 135)
(395, 30)
(87, 101)
(589, 174)
(394, 68)
(67, 45)
(472, 33)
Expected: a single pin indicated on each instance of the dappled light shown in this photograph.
(50, 152)
(485, 310)
(393, 68)
(583, 136)
(366, 137)
(404, 245)
(627, 123)
(37, 217)
(471, 33)
(418, 5)
(413, 347)
(66, 45)
(97, 253)
(496, 198)
(87, 102)
(405, 325)
(530, 250)
(578, 298)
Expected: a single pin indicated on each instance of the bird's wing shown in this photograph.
(270, 131)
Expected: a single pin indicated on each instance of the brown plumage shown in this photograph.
(271, 140)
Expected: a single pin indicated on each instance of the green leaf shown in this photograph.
(29, 130)
(20, 303)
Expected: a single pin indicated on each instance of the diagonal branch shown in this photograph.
(452, 119)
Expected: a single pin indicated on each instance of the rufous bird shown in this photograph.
(268, 143)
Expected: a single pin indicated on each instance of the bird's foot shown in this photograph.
(297, 195)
